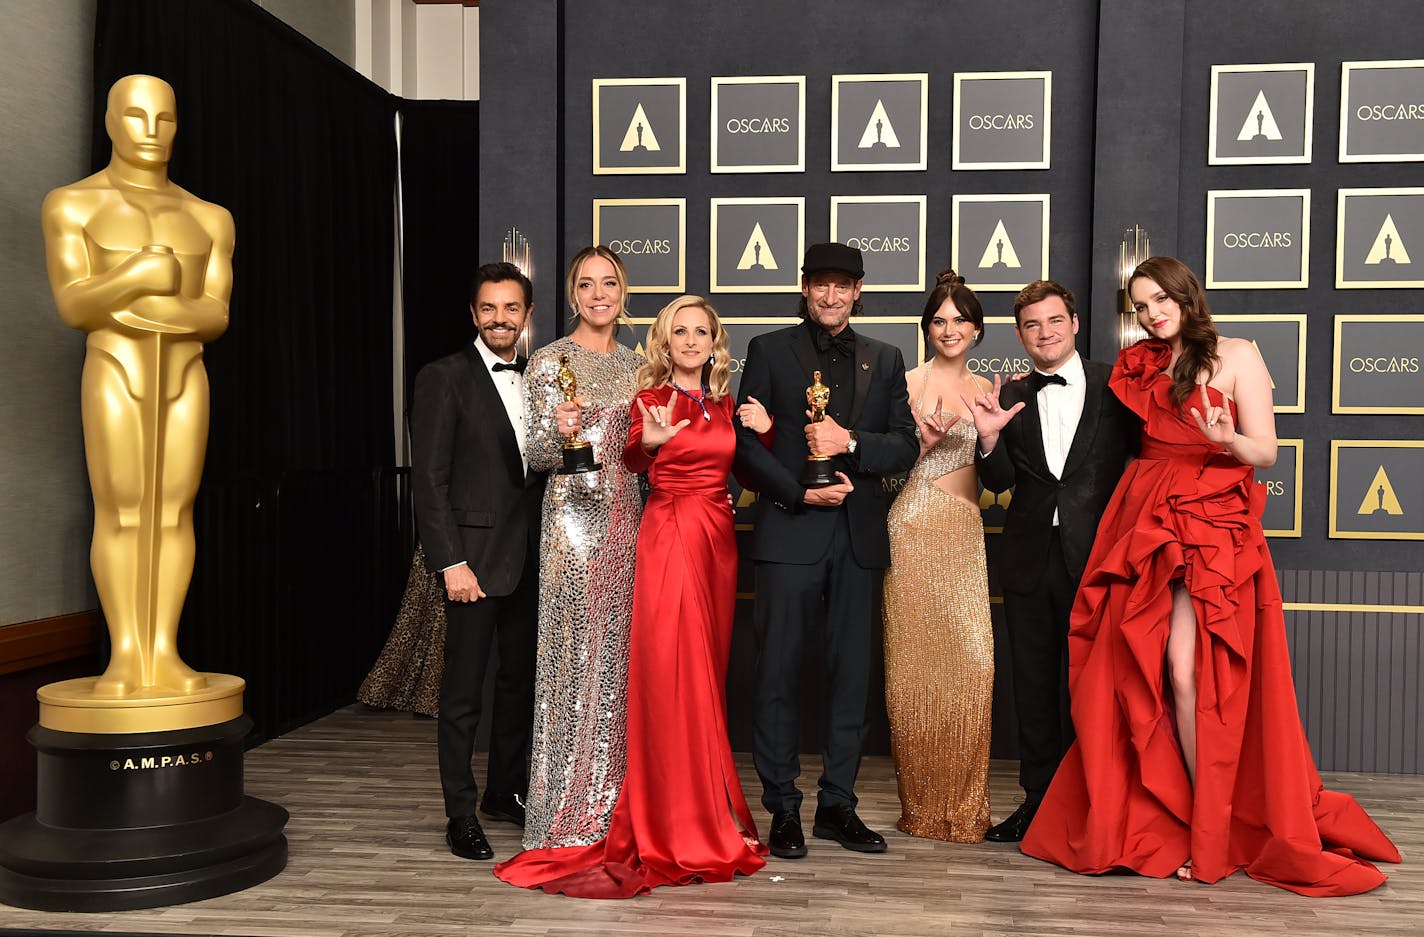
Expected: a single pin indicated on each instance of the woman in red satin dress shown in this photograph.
(1201, 767)
(681, 816)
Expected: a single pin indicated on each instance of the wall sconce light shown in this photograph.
(516, 251)
(1135, 248)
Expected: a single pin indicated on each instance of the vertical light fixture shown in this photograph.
(516, 251)
(1135, 248)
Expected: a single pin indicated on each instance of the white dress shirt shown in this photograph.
(510, 385)
(1060, 406)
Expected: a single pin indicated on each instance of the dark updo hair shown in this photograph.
(950, 285)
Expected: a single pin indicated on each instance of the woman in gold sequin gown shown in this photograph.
(590, 529)
(939, 648)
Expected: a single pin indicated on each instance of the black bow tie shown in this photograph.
(843, 342)
(1037, 380)
(516, 365)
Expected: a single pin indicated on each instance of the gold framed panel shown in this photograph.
(1042, 163)
(1214, 196)
(1296, 405)
(716, 286)
(1336, 532)
(800, 82)
(958, 262)
(680, 167)
(1343, 197)
(921, 201)
(1215, 159)
(921, 164)
(1347, 69)
(680, 285)
(1298, 477)
(1341, 321)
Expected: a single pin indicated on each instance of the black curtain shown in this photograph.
(440, 193)
(300, 519)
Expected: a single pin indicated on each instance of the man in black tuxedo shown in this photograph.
(477, 510)
(1060, 438)
(815, 545)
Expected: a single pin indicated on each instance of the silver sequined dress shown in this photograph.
(590, 531)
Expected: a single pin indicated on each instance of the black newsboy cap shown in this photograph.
(834, 257)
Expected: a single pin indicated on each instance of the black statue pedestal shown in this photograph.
(139, 820)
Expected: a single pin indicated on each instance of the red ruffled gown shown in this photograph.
(1121, 798)
(677, 818)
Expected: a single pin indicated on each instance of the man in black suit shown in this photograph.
(477, 509)
(826, 544)
(1060, 438)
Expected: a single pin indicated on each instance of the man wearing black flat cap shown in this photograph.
(823, 547)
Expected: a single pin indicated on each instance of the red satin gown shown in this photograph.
(681, 814)
(1121, 798)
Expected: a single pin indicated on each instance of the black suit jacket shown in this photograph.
(778, 370)
(1107, 435)
(474, 502)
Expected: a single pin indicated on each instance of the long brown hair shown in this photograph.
(1199, 360)
(656, 370)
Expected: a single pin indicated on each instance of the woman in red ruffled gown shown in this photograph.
(1201, 767)
(681, 816)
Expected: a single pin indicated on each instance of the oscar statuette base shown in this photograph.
(819, 472)
(139, 820)
(578, 459)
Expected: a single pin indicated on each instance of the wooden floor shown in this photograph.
(368, 860)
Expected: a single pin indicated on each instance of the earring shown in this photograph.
(711, 359)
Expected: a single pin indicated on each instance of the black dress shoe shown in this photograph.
(506, 807)
(466, 839)
(1013, 829)
(786, 840)
(839, 822)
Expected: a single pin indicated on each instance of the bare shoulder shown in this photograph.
(983, 383)
(1232, 349)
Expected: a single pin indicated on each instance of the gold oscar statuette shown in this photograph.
(578, 454)
(819, 471)
(145, 269)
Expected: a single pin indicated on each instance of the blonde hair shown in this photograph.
(656, 370)
(572, 277)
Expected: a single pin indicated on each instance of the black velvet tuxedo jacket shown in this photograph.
(474, 502)
(1107, 435)
(778, 370)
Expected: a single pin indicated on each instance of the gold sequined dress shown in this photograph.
(589, 536)
(939, 650)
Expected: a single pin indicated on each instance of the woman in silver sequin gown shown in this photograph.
(590, 530)
(939, 645)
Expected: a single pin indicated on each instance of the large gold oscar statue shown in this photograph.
(145, 268)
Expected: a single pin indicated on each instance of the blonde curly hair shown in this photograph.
(656, 370)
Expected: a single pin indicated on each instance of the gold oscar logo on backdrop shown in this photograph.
(1388, 247)
(999, 251)
(639, 136)
(1380, 497)
(879, 132)
(1260, 123)
(145, 268)
(757, 254)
